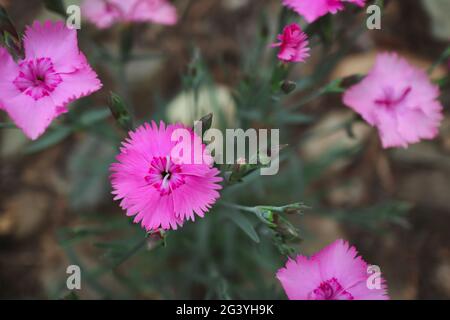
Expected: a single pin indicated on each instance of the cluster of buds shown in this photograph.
(284, 232)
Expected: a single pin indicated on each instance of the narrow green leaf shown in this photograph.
(50, 139)
(442, 58)
(91, 117)
(126, 43)
(6, 24)
(245, 224)
(334, 87)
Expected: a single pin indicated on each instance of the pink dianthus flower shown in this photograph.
(399, 100)
(37, 89)
(334, 273)
(158, 186)
(293, 44)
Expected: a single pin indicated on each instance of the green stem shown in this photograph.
(129, 254)
(252, 210)
(135, 249)
(332, 87)
(237, 207)
(444, 56)
(126, 50)
(310, 98)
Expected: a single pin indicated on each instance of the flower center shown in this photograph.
(330, 290)
(390, 99)
(37, 78)
(164, 175)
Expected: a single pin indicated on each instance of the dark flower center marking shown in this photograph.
(37, 78)
(390, 99)
(164, 175)
(330, 290)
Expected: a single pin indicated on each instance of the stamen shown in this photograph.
(165, 181)
(165, 177)
(167, 163)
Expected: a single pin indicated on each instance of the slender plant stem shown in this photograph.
(237, 207)
(135, 249)
(444, 56)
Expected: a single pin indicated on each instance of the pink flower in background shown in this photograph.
(293, 44)
(334, 273)
(105, 13)
(159, 189)
(53, 73)
(311, 10)
(399, 100)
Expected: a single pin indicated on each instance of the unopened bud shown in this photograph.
(288, 86)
